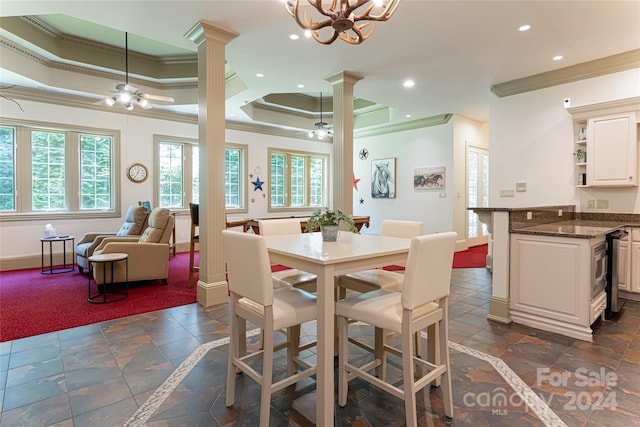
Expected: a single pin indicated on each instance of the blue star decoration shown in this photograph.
(257, 184)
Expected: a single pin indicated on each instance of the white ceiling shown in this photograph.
(453, 50)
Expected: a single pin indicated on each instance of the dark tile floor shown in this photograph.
(101, 374)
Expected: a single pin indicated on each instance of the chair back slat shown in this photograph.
(428, 273)
(248, 267)
(194, 209)
(276, 227)
(401, 228)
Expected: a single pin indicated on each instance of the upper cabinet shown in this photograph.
(606, 143)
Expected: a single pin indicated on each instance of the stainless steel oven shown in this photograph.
(598, 268)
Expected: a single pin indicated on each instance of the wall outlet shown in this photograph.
(591, 204)
(521, 187)
(529, 215)
(443, 194)
(507, 193)
(602, 204)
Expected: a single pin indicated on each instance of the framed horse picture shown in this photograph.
(429, 178)
(383, 178)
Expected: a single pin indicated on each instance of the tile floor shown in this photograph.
(113, 374)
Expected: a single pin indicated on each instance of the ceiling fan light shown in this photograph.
(124, 97)
(110, 101)
(129, 106)
(143, 102)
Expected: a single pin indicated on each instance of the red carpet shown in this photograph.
(32, 303)
(474, 257)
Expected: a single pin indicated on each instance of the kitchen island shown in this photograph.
(544, 267)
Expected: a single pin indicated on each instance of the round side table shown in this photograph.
(107, 291)
(65, 268)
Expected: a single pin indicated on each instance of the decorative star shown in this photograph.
(257, 184)
(355, 182)
(361, 201)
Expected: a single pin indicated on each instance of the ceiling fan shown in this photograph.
(129, 96)
(321, 129)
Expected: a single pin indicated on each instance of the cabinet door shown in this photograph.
(612, 149)
(623, 270)
(634, 285)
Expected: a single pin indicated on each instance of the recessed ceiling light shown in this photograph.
(408, 116)
(300, 86)
(408, 83)
(294, 37)
(558, 57)
(259, 75)
(524, 27)
(307, 33)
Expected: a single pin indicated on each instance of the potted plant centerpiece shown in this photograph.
(328, 220)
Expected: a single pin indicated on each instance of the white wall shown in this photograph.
(431, 146)
(531, 140)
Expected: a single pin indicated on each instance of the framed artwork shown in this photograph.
(429, 178)
(383, 178)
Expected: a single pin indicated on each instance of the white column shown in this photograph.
(343, 83)
(211, 41)
(499, 301)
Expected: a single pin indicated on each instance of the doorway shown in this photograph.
(477, 160)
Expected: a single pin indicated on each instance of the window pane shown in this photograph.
(170, 175)
(297, 181)
(278, 167)
(232, 182)
(7, 169)
(95, 172)
(316, 182)
(48, 174)
(195, 174)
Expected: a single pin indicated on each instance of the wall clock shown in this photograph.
(137, 172)
(364, 153)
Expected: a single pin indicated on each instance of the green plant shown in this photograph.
(326, 216)
(581, 155)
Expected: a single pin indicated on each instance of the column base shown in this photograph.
(209, 294)
(499, 310)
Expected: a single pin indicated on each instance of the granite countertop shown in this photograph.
(584, 229)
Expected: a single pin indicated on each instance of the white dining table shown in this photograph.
(351, 252)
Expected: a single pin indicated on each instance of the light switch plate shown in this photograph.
(521, 187)
(507, 193)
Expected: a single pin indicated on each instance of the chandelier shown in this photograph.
(342, 18)
(321, 129)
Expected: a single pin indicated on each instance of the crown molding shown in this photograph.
(586, 70)
(437, 120)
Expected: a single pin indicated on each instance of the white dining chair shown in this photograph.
(422, 302)
(254, 298)
(289, 277)
(378, 278)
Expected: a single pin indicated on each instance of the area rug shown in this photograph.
(474, 257)
(32, 303)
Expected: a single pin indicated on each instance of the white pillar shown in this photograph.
(211, 41)
(343, 83)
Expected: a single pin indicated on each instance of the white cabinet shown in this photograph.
(613, 151)
(550, 284)
(623, 265)
(607, 135)
(634, 283)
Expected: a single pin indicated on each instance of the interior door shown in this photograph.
(477, 192)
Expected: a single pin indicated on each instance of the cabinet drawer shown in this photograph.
(635, 234)
(598, 305)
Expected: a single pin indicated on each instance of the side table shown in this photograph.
(108, 292)
(65, 268)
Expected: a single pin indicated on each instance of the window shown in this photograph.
(48, 170)
(178, 161)
(297, 180)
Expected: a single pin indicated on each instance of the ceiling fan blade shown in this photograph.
(143, 105)
(157, 97)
